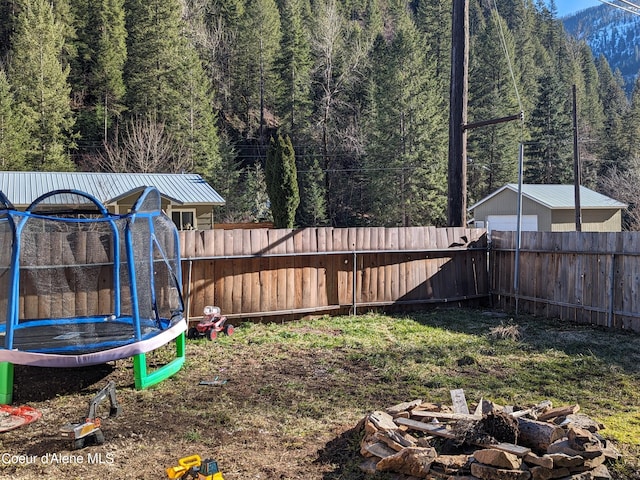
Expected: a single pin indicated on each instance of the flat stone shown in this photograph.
(579, 420)
(497, 458)
(564, 460)
(540, 473)
(533, 459)
(581, 438)
(401, 407)
(486, 472)
(453, 461)
(562, 446)
(382, 420)
(599, 473)
(379, 449)
(414, 461)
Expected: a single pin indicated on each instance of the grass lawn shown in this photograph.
(295, 392)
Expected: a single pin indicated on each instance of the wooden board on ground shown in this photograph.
(459, 401)
(441, 431)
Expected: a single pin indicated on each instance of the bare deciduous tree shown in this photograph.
(145, 147)
(624, 187)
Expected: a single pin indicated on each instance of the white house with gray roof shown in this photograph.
(187, 198)
(547, 208)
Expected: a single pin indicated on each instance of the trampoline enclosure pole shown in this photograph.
(6, 383)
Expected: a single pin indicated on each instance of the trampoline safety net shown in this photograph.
(81, 286)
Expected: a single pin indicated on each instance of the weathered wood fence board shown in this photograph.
(583, 277)
(266, 272)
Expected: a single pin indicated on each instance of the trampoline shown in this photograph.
(81, 286)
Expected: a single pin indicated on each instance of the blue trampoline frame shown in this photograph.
(166, 329)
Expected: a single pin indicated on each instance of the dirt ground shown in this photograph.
(284, 413)
(244, 424)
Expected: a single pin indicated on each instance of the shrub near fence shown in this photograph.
(292, 273)
(585, 277)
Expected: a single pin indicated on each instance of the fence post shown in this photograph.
(354, 281)
(612, 291)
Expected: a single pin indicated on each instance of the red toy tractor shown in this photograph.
(212, 323)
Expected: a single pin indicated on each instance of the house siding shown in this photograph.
(596, 220)
(506, 203)
(556, 220)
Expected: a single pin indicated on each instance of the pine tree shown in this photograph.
(255, 195)
(590, 115)
(313, 198)
(98, 70)
(613, 152)
(406, 160)
(622, 184)
(294, 65)
(13, 135)
(282, 182)
(493, 150)
(220, 47)
(632, 121)
(43, 96)
(166, 82)
(549, 154)
(257, 80)
(433, 19)
(341, 56)
(7, 26)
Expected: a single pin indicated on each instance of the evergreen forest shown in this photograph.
(352, 95)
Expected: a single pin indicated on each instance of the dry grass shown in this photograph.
(509, 331)
(296, 391)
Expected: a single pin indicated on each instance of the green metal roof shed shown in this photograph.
(547, 208)
(187, 198)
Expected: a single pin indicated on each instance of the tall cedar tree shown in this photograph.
(406, 133)
(282, 181)
(492, 150)
(166, 82)
(13, 135)
(43, 99)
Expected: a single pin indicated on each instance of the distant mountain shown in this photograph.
(612, 32)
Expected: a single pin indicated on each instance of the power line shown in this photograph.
(635, 9)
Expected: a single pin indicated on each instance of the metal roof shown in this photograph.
(22, 188)
(558, 196)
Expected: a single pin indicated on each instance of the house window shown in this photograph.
(184, 219)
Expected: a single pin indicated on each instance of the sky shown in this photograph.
(567, 7)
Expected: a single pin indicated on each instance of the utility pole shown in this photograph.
(577, 180)
(458, 98)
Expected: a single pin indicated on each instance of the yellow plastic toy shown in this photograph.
(196, 468)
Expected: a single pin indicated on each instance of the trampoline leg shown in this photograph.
(6, 383)
(144, 379)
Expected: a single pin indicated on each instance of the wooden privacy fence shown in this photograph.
(585, 277)
(280, 272)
